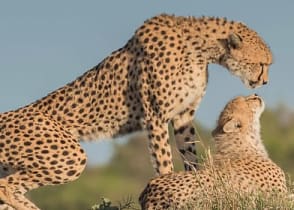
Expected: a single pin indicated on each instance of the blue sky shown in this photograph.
(44, 45)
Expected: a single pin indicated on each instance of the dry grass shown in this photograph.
(223, 196)
(224, 201)
(238, 201)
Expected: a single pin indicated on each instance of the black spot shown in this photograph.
(154, 39)
(71, 172)
(54, 147)
(156, 146)
(22, 127)
(182, 151)
(187, 139)
(27, 143)
(45, 151)
(53, 162)
(190, 149)
(83, 162)
(48, 179)
(29, 150)
(45, 172)
(181, 130)
(157, 138)
(65, 153)
(57, 171)
(192, 131)
(46, 135)
(70, 162)
(80, 100)
(14, 152)
(39, 142)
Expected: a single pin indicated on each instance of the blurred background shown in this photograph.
(44, 45)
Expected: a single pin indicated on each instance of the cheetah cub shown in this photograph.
(240, 162)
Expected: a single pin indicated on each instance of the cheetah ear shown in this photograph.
(231, 126)
(234, 41)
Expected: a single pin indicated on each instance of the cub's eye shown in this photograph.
(238, 125)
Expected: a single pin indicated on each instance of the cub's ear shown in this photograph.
(234, 41)
(232, 125)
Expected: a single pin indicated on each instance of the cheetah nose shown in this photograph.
(264, 82)
(255, 94)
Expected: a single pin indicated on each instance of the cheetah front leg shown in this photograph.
(185, 137)
(159, 147)
(6, 207)
(13, 194)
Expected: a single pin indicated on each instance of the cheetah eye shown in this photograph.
(238, 125)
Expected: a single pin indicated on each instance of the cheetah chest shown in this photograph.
(190, 92)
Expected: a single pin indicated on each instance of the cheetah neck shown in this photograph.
(202, 36)
(239, 145)
(210, 32)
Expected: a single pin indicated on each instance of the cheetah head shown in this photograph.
(240, 115)
(248, 57)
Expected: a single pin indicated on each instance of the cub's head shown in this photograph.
(246, 56)
(240, 115)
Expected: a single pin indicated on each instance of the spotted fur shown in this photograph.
(240, 163)
(159, 76)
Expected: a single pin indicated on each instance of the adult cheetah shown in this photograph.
(158, 77)
(240, 162)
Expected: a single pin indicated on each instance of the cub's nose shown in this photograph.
(264, 82)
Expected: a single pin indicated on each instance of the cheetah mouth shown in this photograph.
(251, 84)
(260, 101)
(257, 98)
